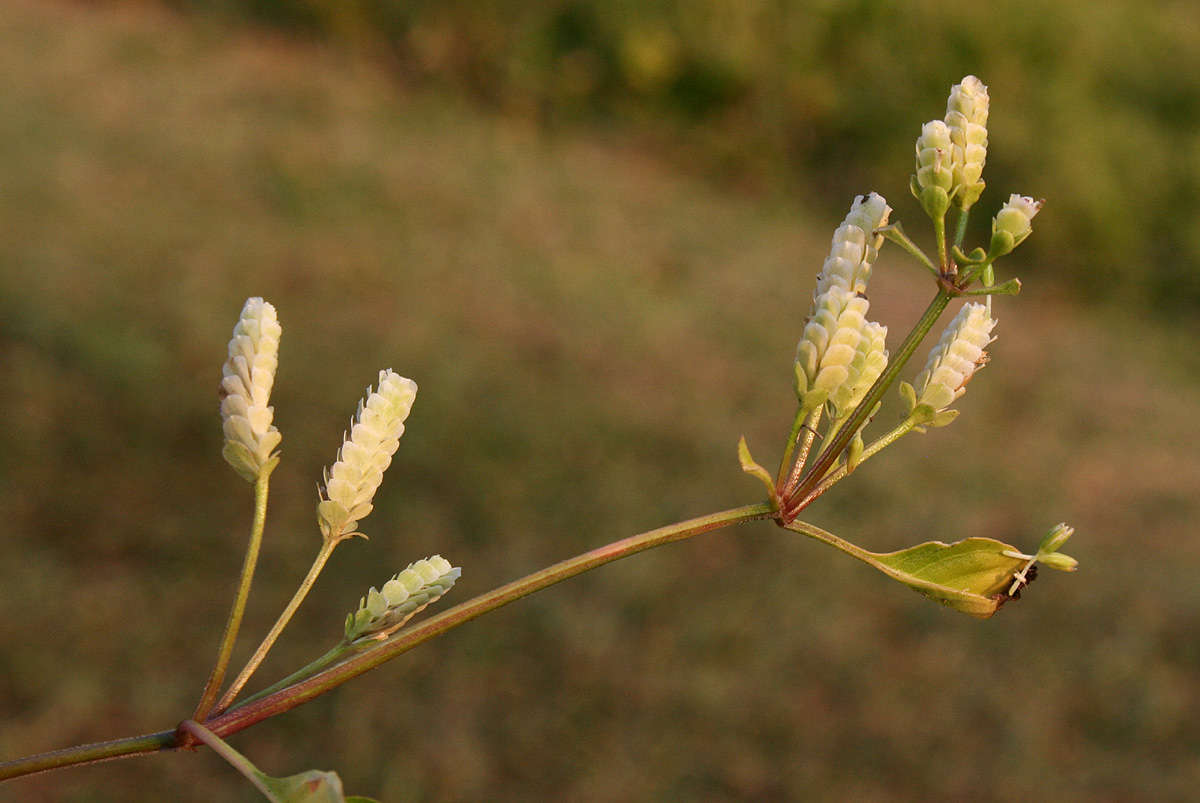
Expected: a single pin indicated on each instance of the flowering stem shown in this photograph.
(833, 450)
(249, 713)
(280, 623)
(252, 711)
(225, 651)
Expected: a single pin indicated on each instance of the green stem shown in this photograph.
(259, 654)
(235, 759)
(248, 713)
(225, 651)
(789, 479)
(841, 471)
(960, 226)
(834, 448)
(813, 531)
(333, 656)
(810, 436)
(89, 754)
(939, 232)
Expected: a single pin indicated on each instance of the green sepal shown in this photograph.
(311, 786)
(909, 394)
(970, 576)
(854, 452)
(801, 382)
(755, 470)
(241, 459)
(934, 200)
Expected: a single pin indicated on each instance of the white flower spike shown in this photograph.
(837, 319)
(351, 483)
(966, 117)
(247, 377)
(956, 357)
(385, 611)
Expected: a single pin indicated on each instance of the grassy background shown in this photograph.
(592, 327)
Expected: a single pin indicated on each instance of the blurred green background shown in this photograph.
(589, 231)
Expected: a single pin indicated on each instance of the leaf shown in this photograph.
(754, 469)
(971, 576)
(311, 786)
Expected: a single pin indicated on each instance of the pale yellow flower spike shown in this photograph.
(247, 378)
(956, 357)
(374, 436)
(966, 117)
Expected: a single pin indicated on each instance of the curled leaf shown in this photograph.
(975, 576)
(971, 575)
(754, 469)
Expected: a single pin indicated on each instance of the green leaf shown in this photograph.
(971, 576)
(311, 786)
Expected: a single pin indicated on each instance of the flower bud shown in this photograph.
(1056, 538)
(247, 377)
(966, 117)
(1012, 224)
(401, 597)
(351, 483)
(955, 358)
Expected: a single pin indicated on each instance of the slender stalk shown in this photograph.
(308, 670)
(225, 651)
(809, 437)
(247, 713)
(834, 448)
(960, 226)
(840, 472)
(813, 531)
(235, 759)
(939, 232)
(259, 654)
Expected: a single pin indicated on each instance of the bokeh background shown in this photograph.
(589, 231)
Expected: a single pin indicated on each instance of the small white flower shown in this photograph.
(374, 436)
(247, 377)
(1013, 223)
